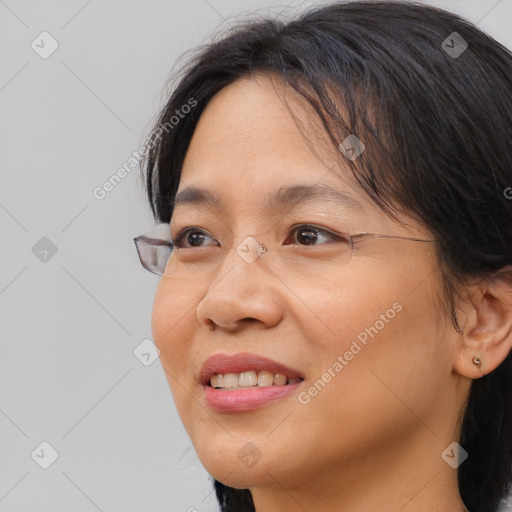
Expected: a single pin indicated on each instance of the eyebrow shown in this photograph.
(292, 195)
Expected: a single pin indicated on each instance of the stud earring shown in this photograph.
(477, 361)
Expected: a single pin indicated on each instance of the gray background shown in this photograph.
(70, 323)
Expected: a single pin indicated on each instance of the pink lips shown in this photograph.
(222, 400)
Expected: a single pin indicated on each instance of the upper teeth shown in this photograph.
(249, 379)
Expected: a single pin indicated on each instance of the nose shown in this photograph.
(242, 293)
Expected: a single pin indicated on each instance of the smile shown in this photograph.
(250, 379)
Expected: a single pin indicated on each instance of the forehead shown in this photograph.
(256, 138)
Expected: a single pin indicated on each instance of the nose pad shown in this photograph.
(249, 249)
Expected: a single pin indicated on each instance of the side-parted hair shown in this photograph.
(436, 120)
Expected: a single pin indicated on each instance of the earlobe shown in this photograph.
(486, 339)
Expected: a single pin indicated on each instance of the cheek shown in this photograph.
(385, 331)
(174, 308)
(173, 322)
(386, 337)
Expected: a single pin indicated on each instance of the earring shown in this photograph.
(263, 247)
(477, 361)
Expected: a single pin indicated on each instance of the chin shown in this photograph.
(239, 481)
(235, 467)
(237, 464)
(233, 474)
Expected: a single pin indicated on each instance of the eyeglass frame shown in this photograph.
(158, 242)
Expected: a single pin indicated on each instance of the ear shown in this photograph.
(487, 331)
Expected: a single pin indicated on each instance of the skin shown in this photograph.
(372, 439)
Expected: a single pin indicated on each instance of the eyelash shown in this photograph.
(311, 227)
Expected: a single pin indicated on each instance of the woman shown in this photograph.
(335, 312)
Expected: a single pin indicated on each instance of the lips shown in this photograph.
(243, 362)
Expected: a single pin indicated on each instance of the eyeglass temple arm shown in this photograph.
(395, 237)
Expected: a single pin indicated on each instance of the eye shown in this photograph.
(193, 236)
(307, 234)
(304, 234)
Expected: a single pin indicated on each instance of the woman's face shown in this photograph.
(363, 332)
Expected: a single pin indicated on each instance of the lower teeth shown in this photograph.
(289, 381)
(252, 387)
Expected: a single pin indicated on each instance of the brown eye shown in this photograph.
(306, 234)
(191, 237)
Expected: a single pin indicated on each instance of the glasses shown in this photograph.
(153, 253)
(304, 261)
